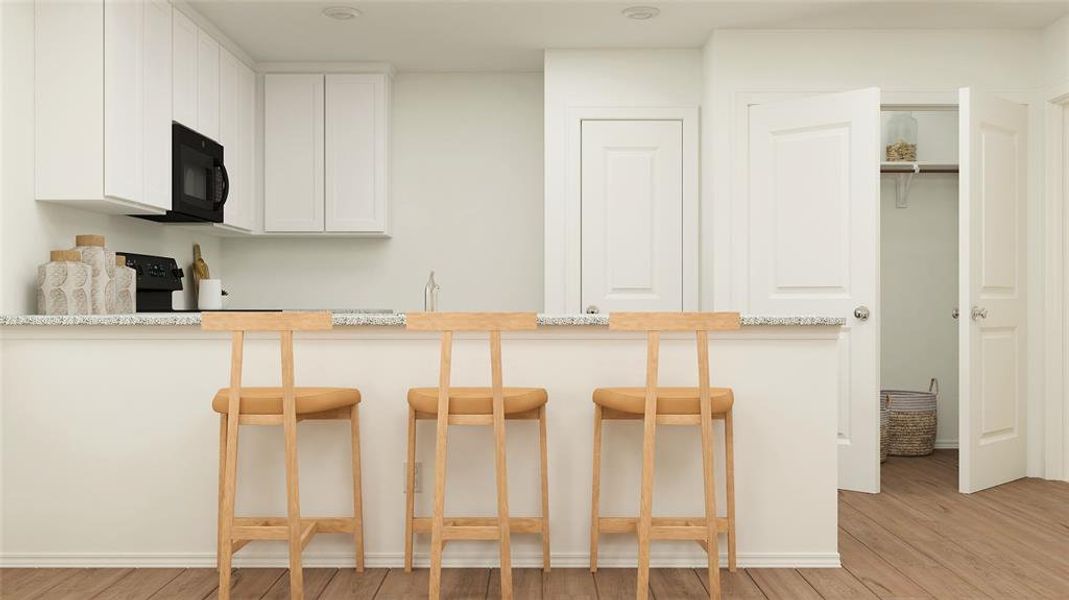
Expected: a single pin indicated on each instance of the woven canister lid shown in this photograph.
(65, 256)
(89, 239)
(120, 260)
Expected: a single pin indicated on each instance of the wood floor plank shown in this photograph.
(526, 584)
(86, 583)
(676, 583)
(191, 584)
(615, 583)
(456, 584)
(880, 576)
(569, 584)
(20, 584)
(836, 584)
(347, 584)
(252, 584)
(315, 581)
(785, 584)
(733, 585)
(910, 560)
(139, 585)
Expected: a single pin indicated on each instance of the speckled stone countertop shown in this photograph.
(375, 320)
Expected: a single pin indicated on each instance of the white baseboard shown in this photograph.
(946, 444)
(395, 560)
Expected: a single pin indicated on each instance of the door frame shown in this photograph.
(565, 280)
(1056, 312)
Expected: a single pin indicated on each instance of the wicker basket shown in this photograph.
(911, 424)
(885, 432)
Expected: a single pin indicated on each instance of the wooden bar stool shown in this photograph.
(283, 406)
(473, 406)
(669, 406)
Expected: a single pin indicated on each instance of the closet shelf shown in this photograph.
(917, 167)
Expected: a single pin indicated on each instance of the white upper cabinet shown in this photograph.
(325, 153)
(356, 165)
(184, 60)
(207, 86)
(293, 153)
(237, 91)
(196, 59)
(92, 105)
(156, 155)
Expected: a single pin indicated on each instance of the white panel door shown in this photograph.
(123, 96)
(632, 215)
(157, 105)
(207, 85)
(184, 65)
(356, 125)
(814, 244)
(293, 152)
(993, 193)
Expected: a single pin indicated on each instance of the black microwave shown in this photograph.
(199, 182)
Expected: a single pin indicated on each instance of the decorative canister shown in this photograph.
(102, 261)
(63, 284)
(901, 142)
(125, 283)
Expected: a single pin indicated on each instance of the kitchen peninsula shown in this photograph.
(116, 409)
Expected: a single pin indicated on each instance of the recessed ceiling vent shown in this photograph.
(640, 13)
(341, 13)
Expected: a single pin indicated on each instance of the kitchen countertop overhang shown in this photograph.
(344, 319)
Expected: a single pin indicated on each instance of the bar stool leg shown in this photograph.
(229, 464)
(410, 489)
(713, 545)
(293, 509)
(543, 442)
(595, 493)
(502, 504)
(358, 496)
(645, 519)
(438, 519)
(729, 454)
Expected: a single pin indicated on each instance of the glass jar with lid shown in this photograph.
(901, 139)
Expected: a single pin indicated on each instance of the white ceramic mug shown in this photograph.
(210, 294)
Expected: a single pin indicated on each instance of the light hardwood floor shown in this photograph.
(918, 539)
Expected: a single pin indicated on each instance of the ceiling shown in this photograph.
(510, 35)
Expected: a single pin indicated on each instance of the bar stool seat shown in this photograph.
(477, 400)
(670, 400)
(268, 400)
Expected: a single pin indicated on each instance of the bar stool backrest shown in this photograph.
(653, 323)
(492, 322)
(283, 322)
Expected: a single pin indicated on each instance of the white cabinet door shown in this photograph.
(814, 244)
(157, 105)
(123, 94)
(293, 152)
(235, 107)
(247, 143)
(184, 64)
(207, 85)
(993, 194)
(356, 125)
(632, 215)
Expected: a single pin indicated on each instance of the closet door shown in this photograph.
(993, 192)
(814, 245)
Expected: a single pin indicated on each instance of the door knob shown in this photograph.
(954, 314)
(862, 313)
(978, 313)
(592, 310)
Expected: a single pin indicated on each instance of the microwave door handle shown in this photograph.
(226, 184)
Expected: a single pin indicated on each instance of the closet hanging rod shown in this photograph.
(909, 167)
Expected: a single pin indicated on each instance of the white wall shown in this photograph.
(605, 79)
(466, 201)
(1056, 52)
(29, 229)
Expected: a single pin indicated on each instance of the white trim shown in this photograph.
(808, 560)
(563, 281)
(1056, 366)
(347, 67)
(946, 444)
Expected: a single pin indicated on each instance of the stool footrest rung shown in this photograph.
(246, 529)
(663, 528)
(516, 524)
